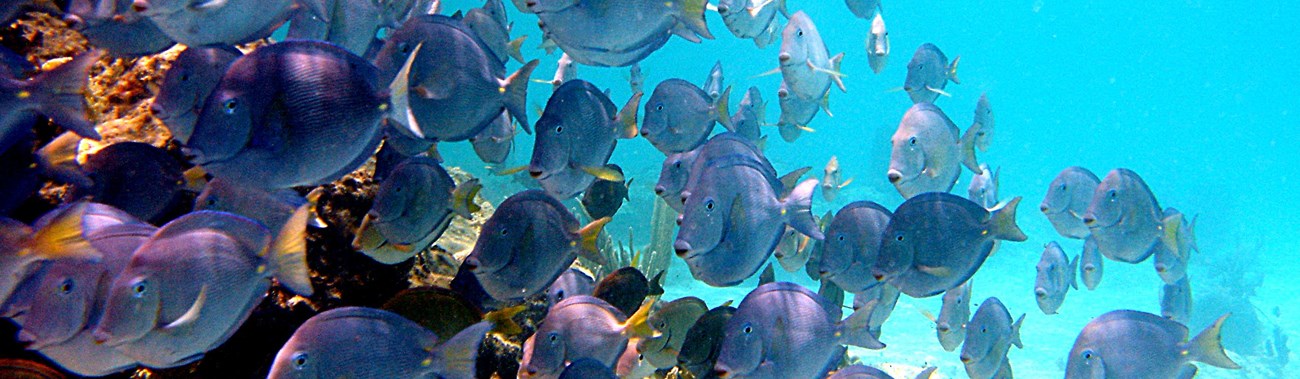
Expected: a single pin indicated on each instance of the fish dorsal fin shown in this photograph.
(192, 314)
(503, 320)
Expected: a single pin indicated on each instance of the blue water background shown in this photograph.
(1200, 98)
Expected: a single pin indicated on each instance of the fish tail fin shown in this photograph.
(627, 116)
(58, 159)
(968, 142)
(952, 70)
(60, 94)
(780, 6)
(826, 105)
(797, 208)
(638, 323)
(692, 17)
(856, 330)
(791, 179)
(503, 320)
(1004, 222)
(463, 198)
(837, 75)
(926, 373)
(768, 275)
(762, 143)
(1015, 332)
(515, 89)
(63, 237)
(455, 358)
(721, 107)
(1074, 272)
(289, 251)
(1172, 226)
(513, 47)
(1207, 347)
(588, 238)
(1190, 233)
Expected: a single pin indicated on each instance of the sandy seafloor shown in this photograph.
(1198, 97)
(1186, 93)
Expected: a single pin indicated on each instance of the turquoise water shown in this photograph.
(1200, 98)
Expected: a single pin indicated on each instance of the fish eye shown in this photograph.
(553, 337)
(66, 286)
(1087, 354)
(984, 329)
(748, 329)
(559, 294)
(185, 76)
(559, 129)
(723, 9)
(1112, 194)
(911, 141)
(1062, 187)
(505, 231)
(899, 237)
(799, 32)
(140, 288)
(708, 205)
(299, 360)
(659, 107)
(404, 47)
(230, 105)
(677, 164)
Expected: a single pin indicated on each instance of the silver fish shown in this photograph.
(922, 262)
(983, 189)
(187, 84)
(680, 116)
(833, 180)
(852, 245)
(989, 335)
(492, 27)
(217, 22)
(671, 322)
(1090, 264)
(415, 204)
(494, 143)
(1132, 344)
(67, 303)
(928, 152)
(753, 19)
(579, 327)
(1176, 301)
(571, 283)
(885, 297)
(366, 342)
(928, 73)
(733, 219)
(751, 116)
(1055, 278)
(233, 141)
(863, 8)
(115, 26)
(576, 135)
(1172, 265)
(673, 175)
(984, 124)
(527, 243)
(195, 280)
(600, 33)
(878, 45)
(760, 339)
(1125, 219)
(351, 24)
(566, 69)
(805, 63)
(950, 325)
(713, 83)
(456, 86)
(59, 234)
(58, 93)
(1067, 201)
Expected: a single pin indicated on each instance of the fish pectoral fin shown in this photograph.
(767, 73)
(603, 173)
(939, 271)
(191, 315)
(846, 183)
(755, 9)
(938, 91)
(510, 170)
(928, 315)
